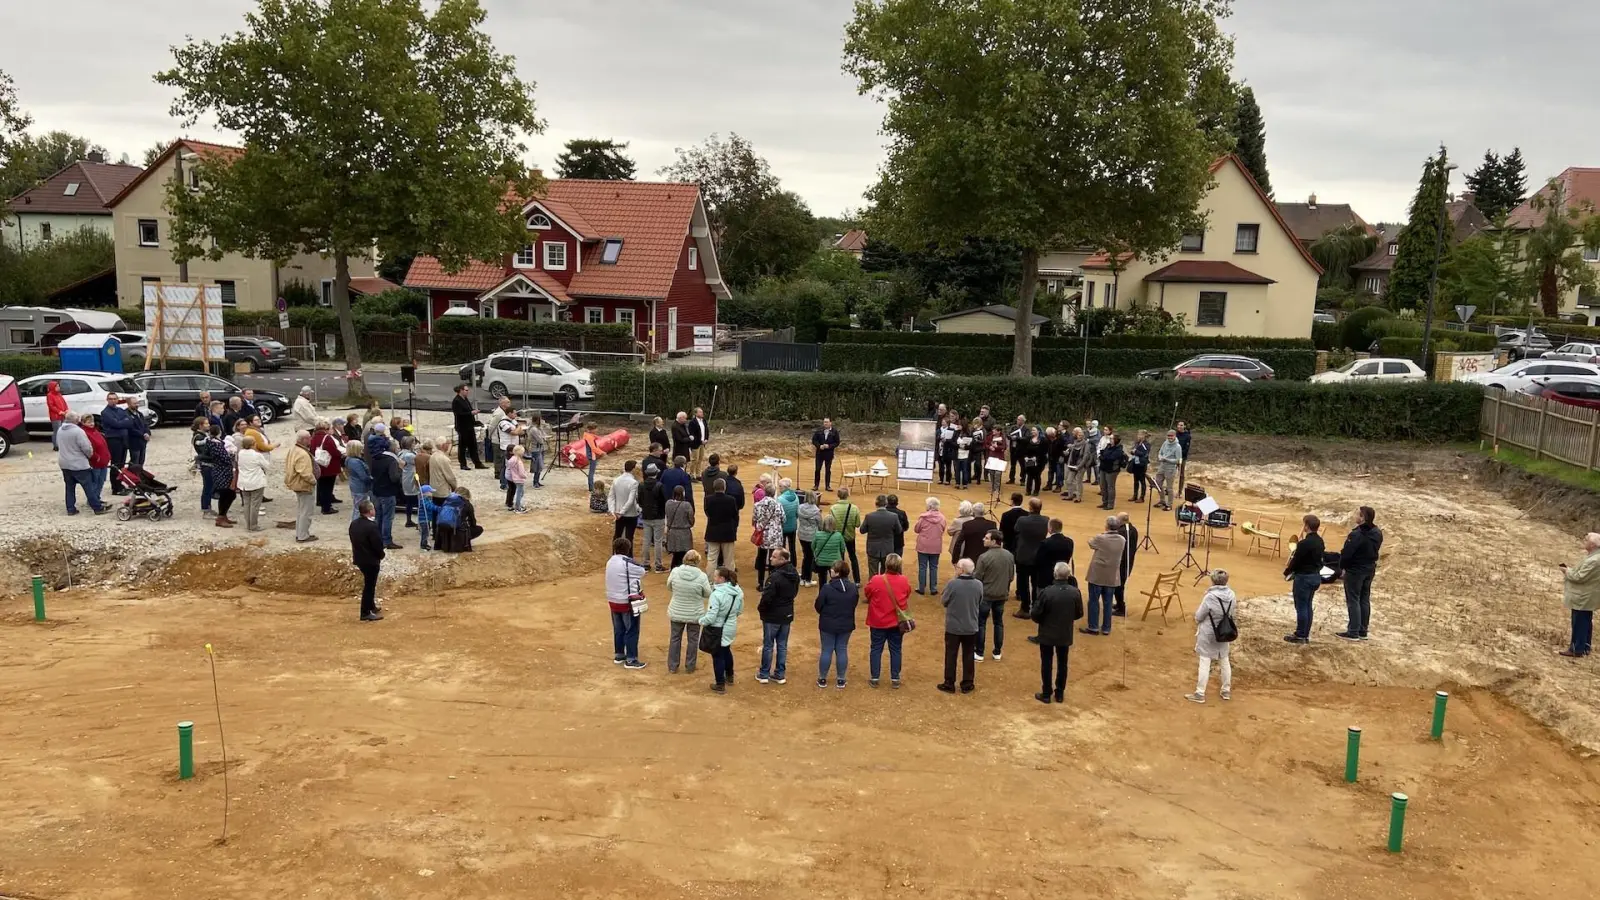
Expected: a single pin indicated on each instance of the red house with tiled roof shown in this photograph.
(77, 196)
(599, 252)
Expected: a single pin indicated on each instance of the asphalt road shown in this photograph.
(433, 390)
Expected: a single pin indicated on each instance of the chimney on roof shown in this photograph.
(95, 156)
(1469, 197)
(1312, 201)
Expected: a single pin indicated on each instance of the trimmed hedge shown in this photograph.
(1427, 411)
(1128, 341)
(23, 365)
(1442, 342)
(1296, 365)
(520, 327)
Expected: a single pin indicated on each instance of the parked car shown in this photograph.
(135, 345)
(1206, 373)
(1576, 392)
(1522, 344)
(1515, 376)
(85, 393)
(252, 354)
(537, 373)
(911, 372)
(1382, 369)
(1575, 352)
(173, 396)
(472, 372)
(1252, 369)
(11, 424)
(1324, 318)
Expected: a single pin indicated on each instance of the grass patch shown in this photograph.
(1550, 468)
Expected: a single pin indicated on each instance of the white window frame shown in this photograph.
(459, 304)
(694, 258)
(548, 246)
(1199, 298)
(1394, 248)
(71, 190)
(1591, 254)
(155, 228)
(525, 258)
(1088, 295)
(594, 315)
(605, 251)
(631, 321)
(1240, 231)
(538, 221)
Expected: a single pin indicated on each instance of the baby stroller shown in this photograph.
(147, 496)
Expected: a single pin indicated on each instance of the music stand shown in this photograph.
(1188, 560)
(1205, 506)
(1147, 543)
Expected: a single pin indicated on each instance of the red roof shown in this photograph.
(853, 241)
(199, 147)
(97, 183)
(372, 285)
(1582, 186)
(426, 272)
(1102, 260)
(1202, 271)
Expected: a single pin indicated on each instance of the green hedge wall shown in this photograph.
(1443, 342)
(521, 327)
(1129, 341)
(23, 365)
(1429, 411)
(1296, 365)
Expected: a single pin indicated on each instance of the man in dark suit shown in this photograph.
(969, 541)
(735, 487)
(1015, 438)
(1131, 534)
(882, 527)
(682, 443)
(1032, 529)
(825, 440)
(465, 416)
(1008, 522)
(366, 551)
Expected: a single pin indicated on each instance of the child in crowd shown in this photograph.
(598, 495)
(425, 514)
(516, 478)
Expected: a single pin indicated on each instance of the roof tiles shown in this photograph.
(97, 183)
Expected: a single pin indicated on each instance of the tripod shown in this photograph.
(1147, 543)
(1188, 560)
(1206, 569)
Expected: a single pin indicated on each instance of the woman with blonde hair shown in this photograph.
(690, 589)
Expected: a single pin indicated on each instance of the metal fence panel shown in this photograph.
(774, 356)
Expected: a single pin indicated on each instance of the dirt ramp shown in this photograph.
(1572, 509)
(301, 572)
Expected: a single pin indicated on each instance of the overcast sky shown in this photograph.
(1353, 105)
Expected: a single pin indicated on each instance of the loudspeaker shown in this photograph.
(408, 374)
(1193, 493)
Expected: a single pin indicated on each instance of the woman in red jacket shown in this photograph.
(56, 406)
(100, 459)
(887, 594)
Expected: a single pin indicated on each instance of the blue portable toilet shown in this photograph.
(91, 353)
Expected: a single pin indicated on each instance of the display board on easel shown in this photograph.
(183, 321)
(915, 458)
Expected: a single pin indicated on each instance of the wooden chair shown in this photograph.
(1162, 595)
(853, 477)
(1266, 533)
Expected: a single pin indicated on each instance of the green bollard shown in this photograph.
(185, 750)
(1352, 753)
(1397, 821)
(38, 598)
(1440, 698)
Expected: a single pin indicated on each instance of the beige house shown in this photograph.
(68, 201)
(993, 319)
(140, 226)
(1061, 277)
(1246, 274)
(1582, 186)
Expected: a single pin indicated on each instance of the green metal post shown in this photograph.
(1440, 698)
(185, 750)
(1352, 753)
(38, 598)
(1397, 821)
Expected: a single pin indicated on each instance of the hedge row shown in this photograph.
(1127, 341)
(522, 327)
(1427, 411)
(23, 365)
(1446, 342)
(1297, 365)
(1549, 326)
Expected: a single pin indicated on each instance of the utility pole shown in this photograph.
(183, 264)
(1438, 251)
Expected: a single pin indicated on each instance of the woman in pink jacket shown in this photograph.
(930, 543)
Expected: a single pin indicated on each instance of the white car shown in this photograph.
(912, 372)
(85, 393)
(1381, 369)
(1575, 352)
(1516, 376)
(135, 344)
(536, 373)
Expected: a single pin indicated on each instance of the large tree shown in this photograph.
(729, 173)
(1554, 250)
(1250, 137)
(12, 119)
(1484, 271)
(1340, 249)
(386, 124)
(1499, 183)
(1043, 122)
(1424, 239)
(602, 160)
(33, 159)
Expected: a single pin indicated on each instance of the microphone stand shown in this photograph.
(1147, 543)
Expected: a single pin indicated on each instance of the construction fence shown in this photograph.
(1548, 429)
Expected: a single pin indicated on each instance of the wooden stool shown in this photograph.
(1162, 595)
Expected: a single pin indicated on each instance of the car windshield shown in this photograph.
(559, 363)
(122, 386)
(1348, 367)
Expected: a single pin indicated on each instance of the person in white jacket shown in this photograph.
(624, 582)
(253, 466)
(623, 502)
(304, 411)
(1218, 604)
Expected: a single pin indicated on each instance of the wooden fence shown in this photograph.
(1546, 428)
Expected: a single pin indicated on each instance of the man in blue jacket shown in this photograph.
(678, 476)
(115, 424)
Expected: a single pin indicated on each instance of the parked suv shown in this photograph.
(1251, 368)
(251, 354)
(1575, 352)
(538, 373)
(85, 393)
(174, 396)
(472, 372)
(1522, 344)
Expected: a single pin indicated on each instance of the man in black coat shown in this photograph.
(1359, 562)
(1304, 572)
(969, 540)
(735, 487)
(466, 420)
(1032, 529)
(1131, 535)
(1055, 609)
(722, 525)
(1014, 440)
(1008, 522)
(777, 615)
(682, 441)
(366, 551)
(1057, 548)
(825, 440)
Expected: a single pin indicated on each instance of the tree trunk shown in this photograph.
(356, 386)
(1022, 353)
(1549, 292)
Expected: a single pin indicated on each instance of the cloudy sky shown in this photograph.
(1353, 105)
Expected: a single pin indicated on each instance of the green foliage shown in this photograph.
(24, 365)
(1326, 335)
(1020, 123)
(1104, 362)
(1499, 183)
(1356, 332)
(1136, 320)
(395, 302)
(1340, 249)
(1486, 271)
(1250, 138)
(1548, 325)
(366, 123)
(28, 276)
(1190, 342)
(804, 303)
(1432, 412)
(1441, 342)
(12, 119)
(556, 334)
(30, 160)
(1555, 247)
(602, 160)
(769, 237)
(1420, 241)
(977, 272)
(297, 293)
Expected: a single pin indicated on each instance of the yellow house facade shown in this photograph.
(141, 229)
(1244, 275)
(1582, 188)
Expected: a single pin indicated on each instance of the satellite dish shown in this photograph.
(1465, 311)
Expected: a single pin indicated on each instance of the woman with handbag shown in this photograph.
(767, 533)
(690, 589)
(718, 625)
(836, 619)
(1214, 633)
(888, 617)
(827, 548)
(625, 597)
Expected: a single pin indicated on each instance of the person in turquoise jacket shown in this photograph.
(790, 501)
(727, 602)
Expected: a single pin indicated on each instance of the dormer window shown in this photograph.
(611, 252)
(1394, 248)
(539, 222)
(71, 190)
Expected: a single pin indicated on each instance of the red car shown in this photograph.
(1576, 393)
(1196, 373)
